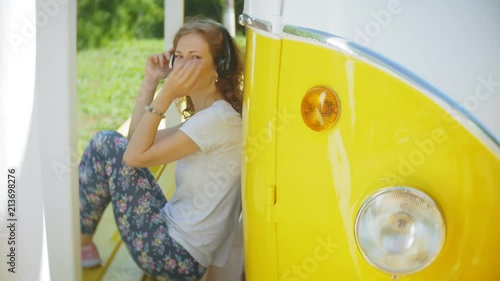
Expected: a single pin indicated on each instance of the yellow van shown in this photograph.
(371, 140)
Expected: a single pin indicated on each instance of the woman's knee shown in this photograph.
(102, 137)
(104, 140)
(107, 134)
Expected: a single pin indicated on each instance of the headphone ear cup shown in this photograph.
(224, 64)
(223, 67)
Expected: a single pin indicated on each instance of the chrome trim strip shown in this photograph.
(438, 96)
(248, 21)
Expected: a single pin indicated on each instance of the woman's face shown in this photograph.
(193, 46)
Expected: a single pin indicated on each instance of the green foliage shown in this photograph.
(212, 9)
(101, 21)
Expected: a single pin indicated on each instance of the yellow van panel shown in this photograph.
(389, 134)
(259, 123)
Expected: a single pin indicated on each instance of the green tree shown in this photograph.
(101, 21)
(213, 9)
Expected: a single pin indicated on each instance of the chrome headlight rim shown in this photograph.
(419, 194)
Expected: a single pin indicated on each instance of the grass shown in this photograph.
(108, 81)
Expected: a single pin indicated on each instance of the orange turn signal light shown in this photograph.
(320, 108)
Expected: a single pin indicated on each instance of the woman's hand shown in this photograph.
(183, 80)
(157, 66)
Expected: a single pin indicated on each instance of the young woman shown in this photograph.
(177, 239)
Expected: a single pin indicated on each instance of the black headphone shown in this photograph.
(223, 63)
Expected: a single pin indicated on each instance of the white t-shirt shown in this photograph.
(203, 212)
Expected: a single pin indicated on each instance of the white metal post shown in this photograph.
(229, 18)
(55, 91)
(173, 20)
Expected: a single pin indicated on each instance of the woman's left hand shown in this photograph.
(157, 65)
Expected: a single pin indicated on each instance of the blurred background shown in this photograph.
(114, 38)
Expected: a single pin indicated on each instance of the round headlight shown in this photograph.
(400, 230)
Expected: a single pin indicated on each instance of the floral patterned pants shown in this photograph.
(137, 200)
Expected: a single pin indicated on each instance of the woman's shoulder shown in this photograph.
(220, 111)
(216, 126)
(225, 107)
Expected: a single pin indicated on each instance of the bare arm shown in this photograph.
(161, 134)
(146, 148)
(157, 69)
(146, 94)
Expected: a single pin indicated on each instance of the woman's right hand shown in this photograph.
(157, 66)
(184, 79)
